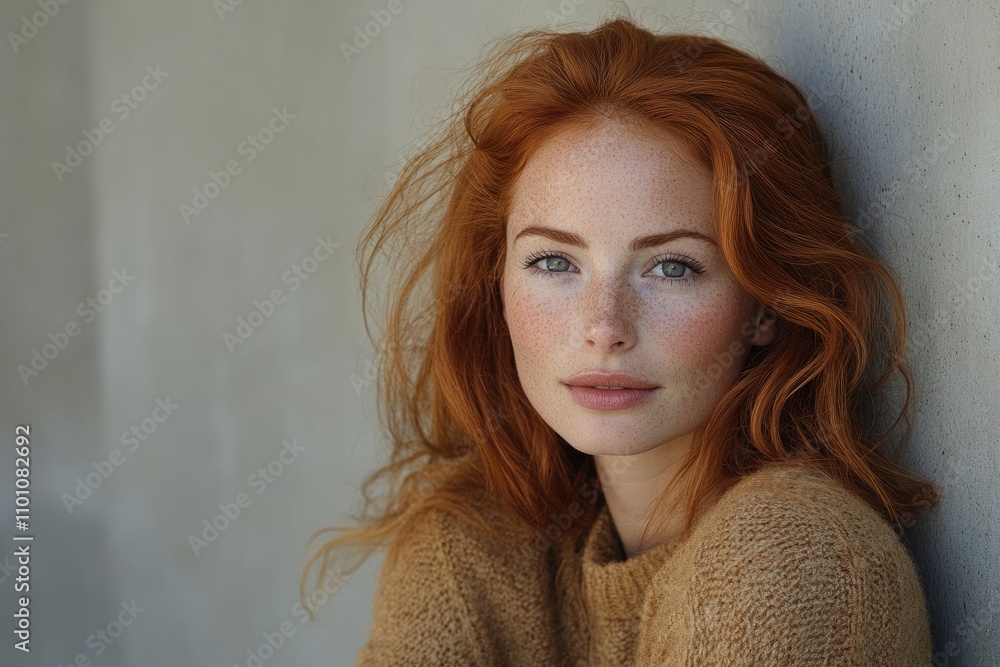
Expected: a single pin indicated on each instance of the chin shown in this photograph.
(608, 442)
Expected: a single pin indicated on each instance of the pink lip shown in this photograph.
(609, 379)
(609, 399)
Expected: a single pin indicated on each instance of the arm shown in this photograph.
(420, 616)
(784, 581)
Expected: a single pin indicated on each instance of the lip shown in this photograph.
(608, 379)
(609, 399)
(634, 391)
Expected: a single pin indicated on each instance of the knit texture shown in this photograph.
(786, 568)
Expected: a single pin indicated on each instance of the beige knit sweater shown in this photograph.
(787, 568)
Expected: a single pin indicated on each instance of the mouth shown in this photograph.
(603, 397)
(609, 380)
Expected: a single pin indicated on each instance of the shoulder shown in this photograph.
(788, 505)
(778, 492)
(793, 568)
(474, 529)
(426, 609)
(469, 550)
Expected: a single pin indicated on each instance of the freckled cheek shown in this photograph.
(535, 324)
(538, 323)
(694, 334)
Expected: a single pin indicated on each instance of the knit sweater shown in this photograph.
(786, 568)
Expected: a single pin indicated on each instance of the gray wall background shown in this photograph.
(908, 90)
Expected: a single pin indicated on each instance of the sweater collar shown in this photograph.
(614, 587)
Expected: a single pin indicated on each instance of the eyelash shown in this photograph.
(695, 267)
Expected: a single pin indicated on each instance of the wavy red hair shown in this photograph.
(448, 393)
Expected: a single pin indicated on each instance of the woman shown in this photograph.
(633, 417)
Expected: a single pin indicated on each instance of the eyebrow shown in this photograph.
(638, 243)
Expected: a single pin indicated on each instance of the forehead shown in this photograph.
(615, 176)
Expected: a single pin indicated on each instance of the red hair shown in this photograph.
(448, 393)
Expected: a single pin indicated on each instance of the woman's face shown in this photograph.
(604, 299)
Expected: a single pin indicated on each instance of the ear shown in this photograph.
(765, 326)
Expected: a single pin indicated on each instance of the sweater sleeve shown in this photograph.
(782, 580)
(419, 615)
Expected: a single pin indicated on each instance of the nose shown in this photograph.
(609, 310)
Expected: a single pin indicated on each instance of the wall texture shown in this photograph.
(188, 285)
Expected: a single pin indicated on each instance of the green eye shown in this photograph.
(564, 263)
(675, 263)
(530, 262)
(676, 269)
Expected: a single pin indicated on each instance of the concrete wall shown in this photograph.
(909, 91)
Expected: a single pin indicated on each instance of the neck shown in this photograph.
(632, 484)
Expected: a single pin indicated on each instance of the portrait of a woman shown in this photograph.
(634, 368)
